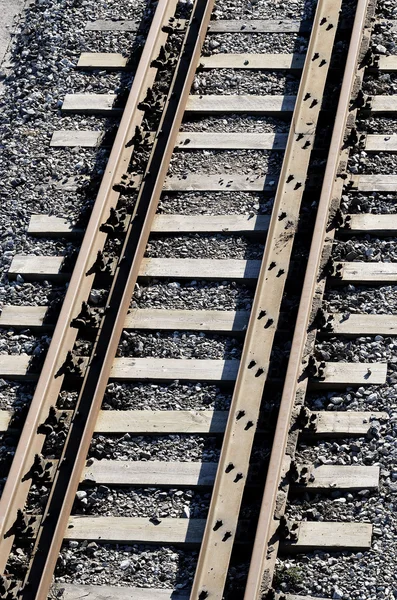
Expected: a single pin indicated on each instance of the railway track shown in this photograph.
(282, 261)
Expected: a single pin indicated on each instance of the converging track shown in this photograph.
(257, 361)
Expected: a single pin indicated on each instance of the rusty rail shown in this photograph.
(294, 386)
(89, 402)
(233, 466)
(48, 386)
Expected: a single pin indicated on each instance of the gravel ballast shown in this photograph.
(45, 50)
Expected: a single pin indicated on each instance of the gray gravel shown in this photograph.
(172, 396)
(212, 162)
(237, 123)
(53, 36)
(115, 41)
(368, 398)
(365, 249)
(362, 299)
(184, 345)
(377, 124)
(118, 564)
(385, 39)
(383, 163)
(16, 342)
(194, 296)
(374, 203)
(142, 502)
(216, 203)
(359, 349)
(386, 9)
(216, 246)
(31, 294)
(236, 82)
(176, 447)
(15, 394)
(39, 72)
(386, 83)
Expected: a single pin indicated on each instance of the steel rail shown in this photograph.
(233, 465)
(72, 462)
(294, 386)
(49, 385)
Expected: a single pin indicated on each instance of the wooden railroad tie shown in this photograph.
(107, 104)
(328, 424)
(34, 268)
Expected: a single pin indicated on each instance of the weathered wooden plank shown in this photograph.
(260, 26)
(161, 421)
(23, 316)
(191, 320)
(130, 369)
(5, 417)
(212, 224)
(37, 267)
(294, 597)
(232, 141)
(253, 182)
(56, 226)
(383, 104)
(185, 141)
(381, 143)
(174, 368)
(240, 104)
(203, 182)
(375, 183)
(14, 366)
(344, 424)
(360, 324)
(105, 104)
(74, 138)
(273, 62)
(161, 473)
(156, 473)
(107, 592)
(34, 267)
(372, 223)
(343, 477)
(102, 60)
(369, 272)
(337, 373)
(97, 104)
(329, 424)
(195, 268)
(331, 536)
(347, 536)
(91, 104)
(49, 225)
(69, 591)
(136, 530)
(178, 421)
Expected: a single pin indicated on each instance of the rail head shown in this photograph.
(265, 528)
